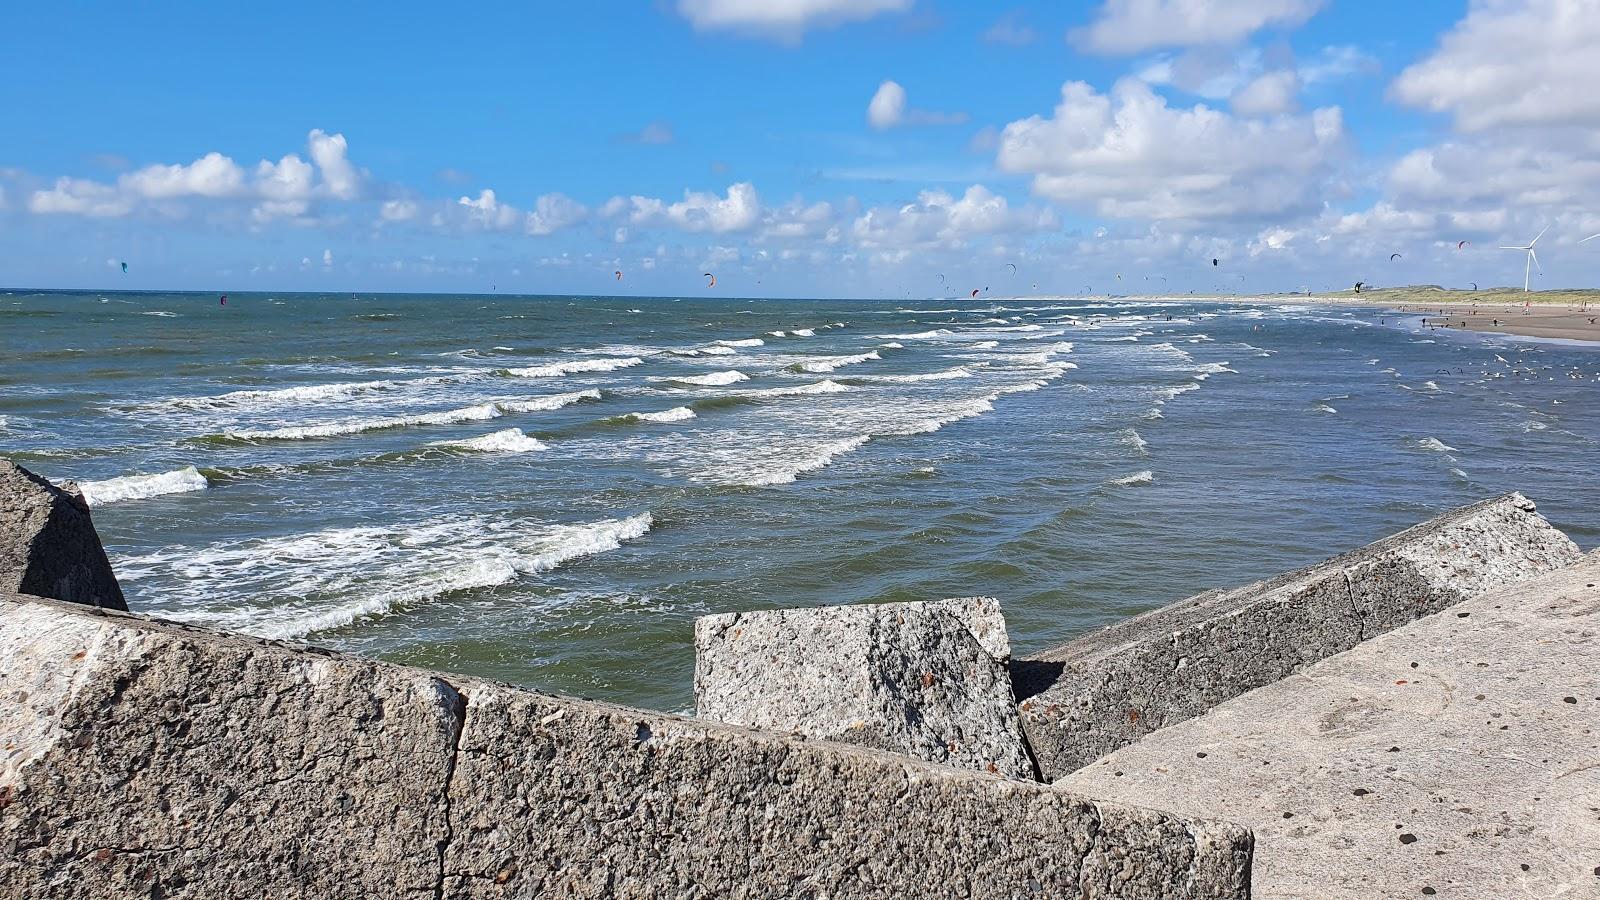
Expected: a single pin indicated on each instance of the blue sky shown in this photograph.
(798, 147)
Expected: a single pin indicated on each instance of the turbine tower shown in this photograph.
(1533, 259)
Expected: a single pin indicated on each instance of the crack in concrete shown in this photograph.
(458, 715)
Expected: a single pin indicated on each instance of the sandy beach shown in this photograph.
(1556, 315)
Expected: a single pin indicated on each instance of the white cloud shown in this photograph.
(284, 188)
(339, 177)
(327, 259)
(398, 211)
(212, 175)
(782, 19)
(553, 212)
(80, 196)
(888, 109)
(487, 210)
(698, 212)
(1135, 26)
(888, 106)
(798, 220)
(1010, 30)
(938, 219)
(1271, 94)
(1129, 155)
(1511, 63)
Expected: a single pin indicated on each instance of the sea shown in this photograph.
(547, 490)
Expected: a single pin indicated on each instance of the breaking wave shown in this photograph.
(572, 367)
(508, 440)
(309, 583)
(139, 487)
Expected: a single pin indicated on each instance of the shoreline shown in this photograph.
(1572, 320)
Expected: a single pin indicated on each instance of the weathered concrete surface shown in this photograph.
(929, 680)
(1458, 754)
(147, 760)
(1110, 687)
(48, 545)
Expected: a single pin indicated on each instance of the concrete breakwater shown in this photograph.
(145, 758)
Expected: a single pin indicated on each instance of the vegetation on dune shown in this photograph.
(1426, 294)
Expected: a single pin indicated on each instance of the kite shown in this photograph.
(1474, 285)
(223, 301)
(1393, 257)
(974, 292)
(124, 268)
(713, 282)
(941, 278)
(619, 274)
(1213, 260)
(1013, 268)
(1460, 244)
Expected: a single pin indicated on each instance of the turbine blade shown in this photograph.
(1541, 234)
(1513, 248)
(1589, 238)
(1535, 257)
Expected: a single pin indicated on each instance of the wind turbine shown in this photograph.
(1533, 259)
(1589, 238)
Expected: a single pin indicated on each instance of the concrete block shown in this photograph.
(48, 545)
(143, 759)
(929, 680)
(1110, 687)
(1455, 756)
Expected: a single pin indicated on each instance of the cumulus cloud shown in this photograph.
(79, 196)
(550, 213)
(697, 212)
(1128, 154)
(212, 175)
(1137, 26)
(398, 210)
(782, 19)
(283, 188)
(888, 109)
(553, 212)
(339, 177)
(937, 218)
(799, 220)
(1271, 94)
(1510, 63)
(888, 106)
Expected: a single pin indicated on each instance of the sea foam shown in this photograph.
(309, 583)
(508, 440)
(139, 487)
(572, 367)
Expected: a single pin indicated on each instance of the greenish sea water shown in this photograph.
(548, 490)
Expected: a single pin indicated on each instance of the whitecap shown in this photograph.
(676, 414)
(555, 370)
(1137, 478)
(1436, 445)
(829, 363)
(715, 379)
(508, 440)
(139, 487)
(748, 342)
(821, 387)
(299, 585)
